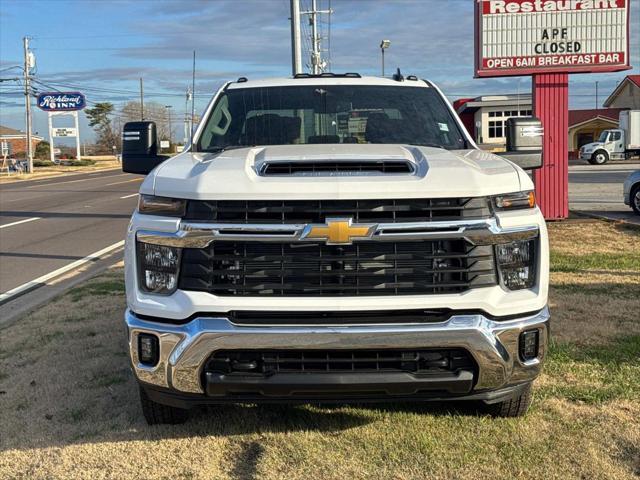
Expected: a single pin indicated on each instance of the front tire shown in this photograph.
(599, 157)
(157, 414)
(515, 406)
(634, 199)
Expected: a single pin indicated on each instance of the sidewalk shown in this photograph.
(61, 170)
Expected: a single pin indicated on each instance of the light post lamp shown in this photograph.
(383, 46)
(168, 107)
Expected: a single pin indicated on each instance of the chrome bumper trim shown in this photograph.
(184, 349)
(478, 232)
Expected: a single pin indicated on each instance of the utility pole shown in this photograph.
(193, 95)
(597, 106)
(141, 100)
(315, 41)
(27, 102)
(296, 51)
(317, 64)
(187, 127)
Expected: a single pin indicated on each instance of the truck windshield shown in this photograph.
(603, 136)
(315, 114)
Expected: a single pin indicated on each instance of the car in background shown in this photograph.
(631, 191)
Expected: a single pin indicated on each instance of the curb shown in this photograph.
(626, 223)
(24, 303)
(46, 176)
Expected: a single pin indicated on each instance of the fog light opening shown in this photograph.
(529, 345)
(148, 349)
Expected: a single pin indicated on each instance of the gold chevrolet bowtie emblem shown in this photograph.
(338, 231)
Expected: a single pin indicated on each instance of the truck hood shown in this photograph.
(234, 174)
(590, 147)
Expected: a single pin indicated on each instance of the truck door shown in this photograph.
(616, 140)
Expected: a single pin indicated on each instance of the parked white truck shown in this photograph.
(334, 238)
(616, 143)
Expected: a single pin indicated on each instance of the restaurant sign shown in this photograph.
(522, 37)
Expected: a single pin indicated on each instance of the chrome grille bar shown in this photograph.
(200, 235)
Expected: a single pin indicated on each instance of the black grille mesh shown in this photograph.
(317, 211)
(316, 269)
(311, 168)
(269, 362)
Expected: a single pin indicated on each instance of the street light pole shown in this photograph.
(384, 44)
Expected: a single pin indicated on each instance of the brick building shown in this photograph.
(17, 141)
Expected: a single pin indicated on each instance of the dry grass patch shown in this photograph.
(70, 408)
(583, 237)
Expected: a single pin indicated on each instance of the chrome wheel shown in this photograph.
(601, 158)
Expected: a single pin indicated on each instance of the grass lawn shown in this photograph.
(69, 405)
(47, 171)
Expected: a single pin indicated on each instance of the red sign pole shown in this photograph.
(551, 106)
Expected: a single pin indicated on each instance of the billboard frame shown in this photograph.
(516, 72)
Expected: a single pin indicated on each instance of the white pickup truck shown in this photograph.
(334, 238)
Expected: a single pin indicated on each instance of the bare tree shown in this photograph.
(153, 111)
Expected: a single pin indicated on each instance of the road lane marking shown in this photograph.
(20, 221)
(124, 181)
(129, 196)
(75, 181)
(41, 281)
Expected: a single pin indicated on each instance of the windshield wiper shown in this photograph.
(224, 148)
(426, 144)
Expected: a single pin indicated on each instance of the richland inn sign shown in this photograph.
(61, 101)
(58, 104)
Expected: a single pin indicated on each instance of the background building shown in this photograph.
(17, 141)
(626, 95)
(485, 117)
(585, 126)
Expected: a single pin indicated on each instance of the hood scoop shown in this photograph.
(335, 168)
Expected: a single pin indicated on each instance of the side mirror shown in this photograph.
(524, 142)
(140, 147)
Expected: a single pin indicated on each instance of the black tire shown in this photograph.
(516, 406)
(599, 157)
(634, 199)
(156, 413)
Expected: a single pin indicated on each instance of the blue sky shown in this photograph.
(102, 47)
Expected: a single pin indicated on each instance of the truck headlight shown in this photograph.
(152, 205)
(158, 268)
(515, 201)
(516, 262)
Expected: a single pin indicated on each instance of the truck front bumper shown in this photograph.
(185, 349)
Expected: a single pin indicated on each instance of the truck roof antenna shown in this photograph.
(398, 76)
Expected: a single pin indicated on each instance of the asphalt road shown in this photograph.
(48, 224)
(597, 189)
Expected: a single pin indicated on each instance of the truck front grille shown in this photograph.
(317, 269)
(317, 211)
(269, 362)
